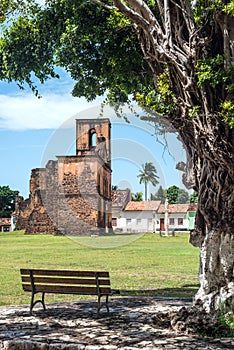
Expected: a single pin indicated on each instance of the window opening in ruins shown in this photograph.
(105, 187)
(93, 138)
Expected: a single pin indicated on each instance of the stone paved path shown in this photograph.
(133, 323)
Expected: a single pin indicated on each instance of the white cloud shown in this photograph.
(23, 112)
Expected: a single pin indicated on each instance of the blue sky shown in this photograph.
(32, 131)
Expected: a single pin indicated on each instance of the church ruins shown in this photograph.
(72, 195)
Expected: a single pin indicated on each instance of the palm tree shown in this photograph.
(148, 174)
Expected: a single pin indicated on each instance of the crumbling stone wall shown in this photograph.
(71, 195)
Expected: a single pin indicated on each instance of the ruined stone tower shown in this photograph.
(72, 195)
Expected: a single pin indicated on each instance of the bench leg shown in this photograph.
(106, 303)
(99, 304)
(33, 303)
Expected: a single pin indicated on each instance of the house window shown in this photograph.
(138, 221)
(129, 221)
(114, 221)
(180, 221)
(172, 222)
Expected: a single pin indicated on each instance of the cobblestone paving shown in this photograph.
(133, 323)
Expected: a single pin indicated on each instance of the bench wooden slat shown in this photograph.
(66, 280)
(66, 289)
(41, 272)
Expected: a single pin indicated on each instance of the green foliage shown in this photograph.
(211, 70)
(172, 194)
(137, 197)
(229, 8)
(160, 100)
(159, 195)
(12, 7)
(206, 9)
(225, 326)
(7, 201)
(193, 197)
(25, 49)
(101, 52)
(176, 195)
(118, 20)
(4, 7)
(183, 196)
(194, 111)
(97, 47)
(227, 112)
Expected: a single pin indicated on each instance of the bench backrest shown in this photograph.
(65, 281)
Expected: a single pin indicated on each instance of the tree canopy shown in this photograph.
(159, 195)
(176, 195)
(7, 201)
(95, 42)
(97, 47)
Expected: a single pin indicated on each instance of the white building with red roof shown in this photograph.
(149, 216)
(180, 216)
(141, 216)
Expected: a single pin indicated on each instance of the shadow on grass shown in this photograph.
(186, 291)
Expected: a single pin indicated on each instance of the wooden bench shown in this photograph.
(66, 282)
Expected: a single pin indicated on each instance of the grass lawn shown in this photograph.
(143, 265)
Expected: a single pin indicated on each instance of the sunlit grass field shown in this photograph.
(138, 264)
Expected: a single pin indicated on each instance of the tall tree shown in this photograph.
(176, 195)
(148, 174)
(172, 194)
(159, 195)
(7, 201)
(176, 58)
(183, 196)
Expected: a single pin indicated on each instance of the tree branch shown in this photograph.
(167, 19)
(105, 6)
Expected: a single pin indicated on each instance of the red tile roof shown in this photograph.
(177, 208)
(140, 206)
(5, 221)
(120, 197)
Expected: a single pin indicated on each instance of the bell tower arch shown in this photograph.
(93, 148)
(94, 135)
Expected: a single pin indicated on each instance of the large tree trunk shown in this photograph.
(172, 39)
(212, 156)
